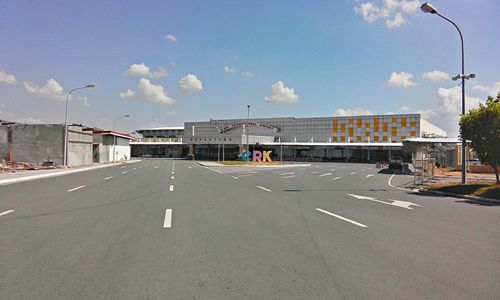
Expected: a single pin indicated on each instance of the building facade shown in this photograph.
(110, 146)
(159, 142)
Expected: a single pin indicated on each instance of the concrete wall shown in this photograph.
(38, 143)
(32, 143)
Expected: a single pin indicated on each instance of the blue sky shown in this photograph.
(285, 58)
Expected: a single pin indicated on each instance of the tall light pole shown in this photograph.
(248, 120)
(65, 153)
(428, 8)
(114, 133)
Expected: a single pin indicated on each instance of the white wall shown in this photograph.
(121, 152)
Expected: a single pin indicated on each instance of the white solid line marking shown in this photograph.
(171, 187)
(335, 178)
(342, 218)
(172, 177)
(77, 188)
(213, 170)
(369, 175)
(108, 177)
(7, 212)
(124, 172)
(263, 188)
(352, 173)
(390, 184)
(289, 176)
(235, 177)
(167, 223)
(287, 173)
(326, 174)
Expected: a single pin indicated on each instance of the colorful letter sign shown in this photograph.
(258, 156)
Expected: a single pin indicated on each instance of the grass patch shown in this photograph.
(479, 189)
(243, 163)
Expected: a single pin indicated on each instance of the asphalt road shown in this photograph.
(166, 229)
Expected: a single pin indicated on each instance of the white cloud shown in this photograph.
(404, 109)
(51, 90)
(402, 79)
(391, 10)
(85, 101)
(7, 78)
(282, 94)
(247, 74)
(352, 112)
(144, 71)
(148, 92)
(489, 90)
(436, 76)
(396, 22)
(229, 69)
(171, 113)
(190, 84)
(171, 37)
(450, 102)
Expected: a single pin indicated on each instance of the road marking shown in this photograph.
(397, 203)
(263, 188)
(7, 212)
(335, 178)
(77, 188)
(342, 218)
(235, 177)
(289, 176)
(214, 170)
(332, 169)
(173, 166)
(173, 172)
(108, 177)
(171, 187)
(124, 172)
(172, 177)
(326, 174)
(189, 167)
(167, 223)
(352, 173)
(287, 173)
(369, 175)
(245, 175)
(314, 172)
(390, 184)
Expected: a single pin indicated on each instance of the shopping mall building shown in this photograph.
(356, 138)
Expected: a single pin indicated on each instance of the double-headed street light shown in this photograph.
(65, 153)
(428, 8)
(114, 133)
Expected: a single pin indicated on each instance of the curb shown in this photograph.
(475, 198)
(56, 174)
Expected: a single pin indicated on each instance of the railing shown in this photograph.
(157, 140)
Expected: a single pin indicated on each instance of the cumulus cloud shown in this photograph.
(402, 79)
(436, 76)
(190, 84)
(171, 113)
(396, 22)
(450, 102)
(282, 94)
(142, 70)
(148, 92)
(489, 90)
(247, 74)
(341, 112)
(7, 78)
(392, 11)
(171, 37)
(228, 69)
(51, 90)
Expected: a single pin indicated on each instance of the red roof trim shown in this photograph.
(110, 132)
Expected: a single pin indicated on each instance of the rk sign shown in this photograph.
(258, 156)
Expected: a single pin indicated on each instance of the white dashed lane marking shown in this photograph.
(326, 174)
(341, 218)
(167, 223)
(77, 188)
(263, 188)
(7, 212)
(107, 178)
(335, 178)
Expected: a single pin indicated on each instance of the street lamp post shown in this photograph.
(65, 153)
(114, 134)
(428, 8)
(247, 130)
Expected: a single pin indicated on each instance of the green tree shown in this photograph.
(482, 127)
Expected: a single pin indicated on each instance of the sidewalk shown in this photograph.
(28, 175)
